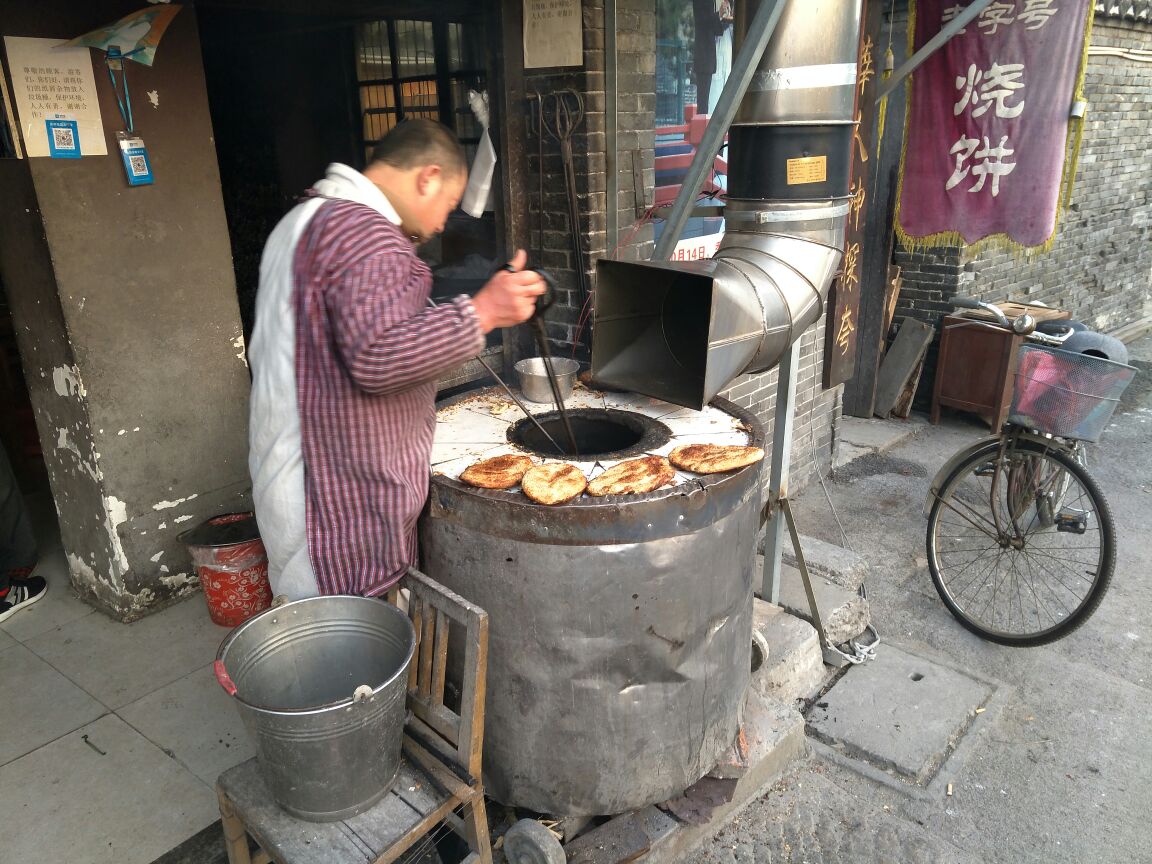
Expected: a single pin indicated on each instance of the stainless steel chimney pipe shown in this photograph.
(682, 331)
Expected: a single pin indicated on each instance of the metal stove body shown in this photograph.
(620, 627)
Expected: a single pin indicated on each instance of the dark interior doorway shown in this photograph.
(294, 87)
(18, 434)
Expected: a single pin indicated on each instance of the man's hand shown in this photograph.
(509, 297)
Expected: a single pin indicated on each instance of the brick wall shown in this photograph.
(817, 410)
(1100, 265)
(636, 118)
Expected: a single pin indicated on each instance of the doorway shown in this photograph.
(292, 89)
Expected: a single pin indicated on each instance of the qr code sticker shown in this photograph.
(63, 138)
(138, 165)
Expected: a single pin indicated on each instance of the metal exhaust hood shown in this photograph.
(683, 331)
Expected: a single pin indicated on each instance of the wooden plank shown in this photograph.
(427, 644)
(1014, 310)
(843, 308)
(891, 298)
(455, 606)
(617, 841)
(444, 721)
(900, 362)
(440, 658)
(415, 613)
(903, 406)
(404, 808)
(284, 837)
(471, 740)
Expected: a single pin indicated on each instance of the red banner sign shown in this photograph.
(988, 119)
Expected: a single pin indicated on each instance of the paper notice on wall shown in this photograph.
(48, 81)
(553, 33)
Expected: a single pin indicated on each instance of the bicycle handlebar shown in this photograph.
(1024, 325)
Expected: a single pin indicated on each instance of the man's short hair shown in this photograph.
(419, 142)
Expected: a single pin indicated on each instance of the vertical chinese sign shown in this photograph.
(988, 121)
(844, 297)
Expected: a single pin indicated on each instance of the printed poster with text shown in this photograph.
(48, 83)
(553, 33)
(988, 121)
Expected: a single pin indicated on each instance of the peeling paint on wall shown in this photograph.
(180, 519)
(166, 505)
(157, 556)
(154, 98)
(179, 581)
(238, 344)
(80, 570)
(117, 514)
(64, 443)
(66, 380)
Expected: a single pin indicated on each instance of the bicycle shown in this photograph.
(1021, 542)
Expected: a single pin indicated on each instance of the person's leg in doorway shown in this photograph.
(18, 587)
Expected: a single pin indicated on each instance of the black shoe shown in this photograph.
(22, 593)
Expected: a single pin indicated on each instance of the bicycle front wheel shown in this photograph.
(1021, 544)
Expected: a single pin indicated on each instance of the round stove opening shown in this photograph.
(601, 433)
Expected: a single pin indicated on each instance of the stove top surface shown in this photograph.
(475, 426)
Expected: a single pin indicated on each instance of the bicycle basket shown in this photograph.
(1066, 394)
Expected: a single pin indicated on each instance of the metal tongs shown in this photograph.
(543, 303)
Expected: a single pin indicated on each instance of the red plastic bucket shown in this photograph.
(232, 565)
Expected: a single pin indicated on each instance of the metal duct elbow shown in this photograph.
(683, 331)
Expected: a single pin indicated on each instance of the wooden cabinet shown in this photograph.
(975, 369)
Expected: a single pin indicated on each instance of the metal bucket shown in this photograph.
(320, 685)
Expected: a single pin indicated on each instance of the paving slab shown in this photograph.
(900, 712)
(195, 721)
(37, 704)
(878, 435)
(120, 663)
(58, 607)
(68, 802)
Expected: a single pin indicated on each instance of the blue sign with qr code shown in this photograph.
(63, 139)
(136, 164)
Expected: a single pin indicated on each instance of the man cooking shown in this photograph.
(345, 355)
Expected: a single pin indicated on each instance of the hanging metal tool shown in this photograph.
(561, 114)
(543, 304)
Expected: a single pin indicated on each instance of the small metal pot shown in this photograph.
(534, 377)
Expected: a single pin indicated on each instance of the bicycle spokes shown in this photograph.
(1020, 544)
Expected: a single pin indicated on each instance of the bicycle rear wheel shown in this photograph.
(1021, 545)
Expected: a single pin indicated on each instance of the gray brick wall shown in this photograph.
(817, 409)
(1100, 264)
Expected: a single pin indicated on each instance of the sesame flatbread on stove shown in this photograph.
(553, 483)
(499, 472)
(714, 458)
(634, 477)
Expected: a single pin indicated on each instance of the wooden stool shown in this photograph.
(439, 778)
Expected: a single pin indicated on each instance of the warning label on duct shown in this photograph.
(808, 169)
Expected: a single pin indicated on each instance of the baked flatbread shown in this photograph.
(499, 472)
(634, 477)
(553, 483)
(714, 458)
